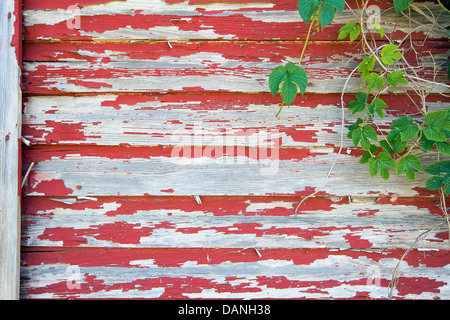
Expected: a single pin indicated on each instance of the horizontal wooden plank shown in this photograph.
(198, 66)
(232, 222)
(165, 54)
(228, 20)
(201, 273)
(204, 119)
(180, 170)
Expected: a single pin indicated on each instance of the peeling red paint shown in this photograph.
(303, 135)
(69, 236)
(41, 79)
(121, 232)
(218, 206)
(412, 286)
(128, 100)
(200, 20)
(428, 202)
(355, 241)
(181, 286)
(53, 187)
(176, 257)
(64, 131)
(89, 84)
(442, 235)
(368, 212)
(168, 190)
(16, 39)
(59, 4)
(116, 152)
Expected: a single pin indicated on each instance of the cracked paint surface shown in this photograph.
(161, 172)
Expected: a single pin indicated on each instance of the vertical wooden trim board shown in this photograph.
(10, 131)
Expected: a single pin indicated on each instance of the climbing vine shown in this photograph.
(384, 68)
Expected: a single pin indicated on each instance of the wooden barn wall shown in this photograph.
(160, 169)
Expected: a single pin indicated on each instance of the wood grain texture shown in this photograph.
(10, 130)
(201, 273)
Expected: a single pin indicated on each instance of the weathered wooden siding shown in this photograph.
(160, 170)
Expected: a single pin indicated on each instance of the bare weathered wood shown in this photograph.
(10, 130)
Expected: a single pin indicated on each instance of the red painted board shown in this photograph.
(229, 20)
(223, 221)
(198, 273)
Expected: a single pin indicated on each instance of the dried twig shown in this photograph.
(395, 274)
(27, 173)
(340, 145)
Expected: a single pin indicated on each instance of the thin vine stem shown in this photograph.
(314, 18)
(307, 37)
(341, 145)
(279, 111)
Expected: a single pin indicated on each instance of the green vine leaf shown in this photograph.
(389, 53)
(437, 124)
(396, 77)
(326, 9)
(406, 127)
(363, 134)
(400, 5)
(291, 76)
(441, 172)
(354, 126)
(409, 163)
(433, 131)
(426, 145)
(443, 147)
(275, 78)
(378, 28)
(377, 106)
(448, 64)
(366, 65)
(438, 168)
(381, 163)
(359, 104)
(373, 79)
(368, 154)
(393, 146)
(306, 9)
(351, 29)
(326, 14)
